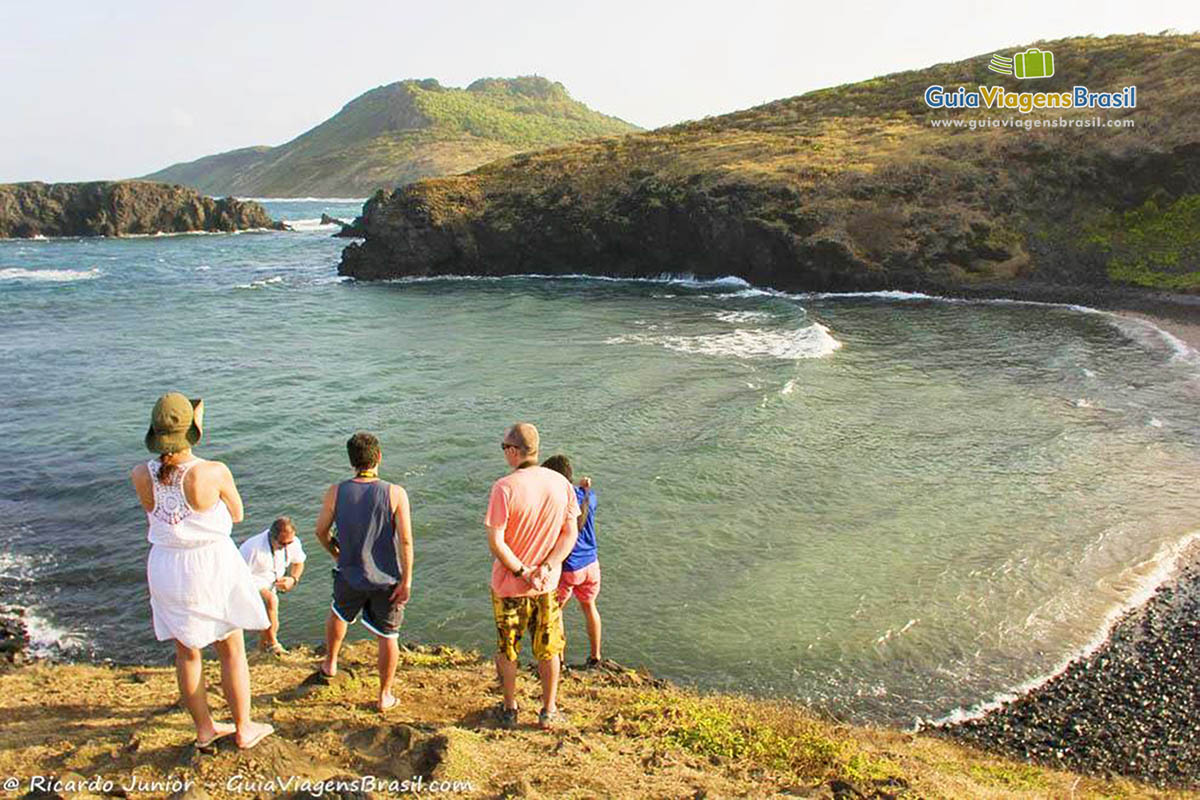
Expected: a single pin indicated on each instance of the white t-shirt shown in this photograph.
(266, 566)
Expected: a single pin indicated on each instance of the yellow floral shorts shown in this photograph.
(540, 614)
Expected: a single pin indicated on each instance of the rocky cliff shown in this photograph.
(858, 187)
(120, 208)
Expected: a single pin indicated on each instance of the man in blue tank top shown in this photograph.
(374, 554)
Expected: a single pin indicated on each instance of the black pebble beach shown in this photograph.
(1130, 708)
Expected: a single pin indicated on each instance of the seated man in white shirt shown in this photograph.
(276, 561)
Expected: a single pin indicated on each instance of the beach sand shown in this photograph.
(1182, 328)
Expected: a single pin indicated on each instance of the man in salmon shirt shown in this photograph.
(531, 522)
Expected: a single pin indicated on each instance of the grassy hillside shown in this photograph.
(629, 737)
(850, 187)
(401, 132)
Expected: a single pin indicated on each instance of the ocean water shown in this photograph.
(890, 506)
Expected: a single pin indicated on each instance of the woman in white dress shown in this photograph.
(201, 592)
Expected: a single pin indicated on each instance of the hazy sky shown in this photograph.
(115, 89)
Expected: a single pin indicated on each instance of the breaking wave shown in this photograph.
(813, 341)
(48, 275)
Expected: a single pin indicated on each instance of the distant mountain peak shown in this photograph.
(534, 86)
(400, 132)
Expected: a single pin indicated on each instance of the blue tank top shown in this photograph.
(366, 535)
(584, 552)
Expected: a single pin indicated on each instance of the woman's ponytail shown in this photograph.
(166, 468)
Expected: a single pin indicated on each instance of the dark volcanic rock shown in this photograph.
(14, 637)
(547, 215)
(647, 229)
(351, 230)
(328, 220)
(1128, 708)
(118, 208)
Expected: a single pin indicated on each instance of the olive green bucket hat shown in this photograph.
(174, 423)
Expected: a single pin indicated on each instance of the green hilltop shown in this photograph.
(399, 133)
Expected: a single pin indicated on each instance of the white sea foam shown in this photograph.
(1181, 348)
(47, 640)
(1147, 577)
(261, 283)
(882, 295)
(685, 279)
(1134, 327)
(813, 341)
(736, 317)
(1149, 335)
(788, 387)
(753, 292)
(155, 235)
(302, 199)
(16, 567)
(314, 224)
(1155, 423)
(48, 275)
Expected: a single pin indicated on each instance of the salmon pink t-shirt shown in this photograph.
(531, 504)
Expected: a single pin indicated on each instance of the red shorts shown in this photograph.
(583, 583)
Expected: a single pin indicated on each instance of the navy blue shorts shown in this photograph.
(380, 615)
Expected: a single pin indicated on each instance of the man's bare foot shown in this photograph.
(219, 729)
(327, 669)
(387, 701)
(252, 734)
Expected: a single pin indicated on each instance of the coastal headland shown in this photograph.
(859, 187)
(104, 730)
(121, 208)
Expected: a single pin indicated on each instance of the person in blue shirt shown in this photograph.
(581, 570)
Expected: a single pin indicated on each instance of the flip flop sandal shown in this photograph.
(269, 730)
(210, 747)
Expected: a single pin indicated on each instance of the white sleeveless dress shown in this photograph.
(200, 587)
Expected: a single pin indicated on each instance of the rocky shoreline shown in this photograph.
(1128, 708)
(121, 208)
(14, 635)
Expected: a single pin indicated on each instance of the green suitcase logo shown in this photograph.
(1033, 63)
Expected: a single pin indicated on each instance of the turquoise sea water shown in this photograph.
(889, 506)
